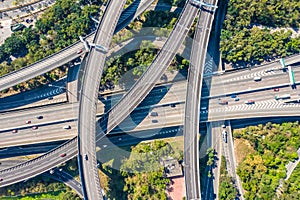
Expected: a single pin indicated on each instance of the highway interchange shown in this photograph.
(264, 101)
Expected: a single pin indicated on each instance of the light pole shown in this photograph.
(62, 87)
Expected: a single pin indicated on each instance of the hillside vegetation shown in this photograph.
(275, 145)
(247, 38)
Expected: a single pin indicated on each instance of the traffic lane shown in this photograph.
(221, 89)
(39, 135)
(259, 70)
(280, 74)
(268, 94)
(166, 116)
(18, 120)
(132, 139)
(9, 163)
(157, 116)
(46, 162)
(258, 113)
(27, 150)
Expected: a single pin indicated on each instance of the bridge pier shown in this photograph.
(72, 84)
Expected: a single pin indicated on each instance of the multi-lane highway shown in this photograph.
(191, 122)
(134, 95)
(93, 68)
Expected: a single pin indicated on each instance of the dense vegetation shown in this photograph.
(227, 190)
(141, 174)
(291, 188)
(275, 145)
(58, 27)
(244, 43)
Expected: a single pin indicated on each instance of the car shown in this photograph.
(153, 114)
(50, 98)
(1, 179)
(105, 145)
(223, 102)
(257, 78)
(86, 157)
(119, 139)
(15, 131)
(63, 155)
(34, 127)
(268, 70)
(27, 122)
(173, 105)
(276, 89)
(236, 99)
(67, 127)
(250, 102)
(203, 108)
(223, 126)
(154, 121)
(39, 117)
(233, 96)
(79, 51)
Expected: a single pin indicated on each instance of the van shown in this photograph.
(257, 78)
(67, 127)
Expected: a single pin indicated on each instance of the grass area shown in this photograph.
(242, 148)
(48, 196)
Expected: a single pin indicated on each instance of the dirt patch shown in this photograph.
(176, 189)
(242, 148)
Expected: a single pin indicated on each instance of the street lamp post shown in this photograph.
(62, 87)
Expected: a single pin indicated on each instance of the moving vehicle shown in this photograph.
(285, 96)
(17, 27)
(63, 155)
(67, 127)
(250, 102)
(223, 102)
(224, 136)
(153, 114)
(203, 108)
(257, 78)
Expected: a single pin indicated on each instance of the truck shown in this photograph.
(285, 96)
(224, 136)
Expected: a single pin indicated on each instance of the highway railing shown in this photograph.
(147, 81)
(192, 106)
(93, 69)
(44, 163)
